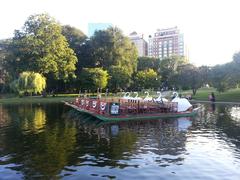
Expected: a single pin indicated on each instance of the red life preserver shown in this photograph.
(87, 103)
(103, 106)
(82, 102)
(94, 104)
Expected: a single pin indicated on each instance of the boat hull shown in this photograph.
(135, 116)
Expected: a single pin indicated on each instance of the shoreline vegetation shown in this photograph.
(229, 97)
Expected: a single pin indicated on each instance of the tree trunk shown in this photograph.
(194, 91)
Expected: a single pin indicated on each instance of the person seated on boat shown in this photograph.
(189, 96)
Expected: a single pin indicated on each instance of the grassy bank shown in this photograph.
(232, 95)
(50, 99)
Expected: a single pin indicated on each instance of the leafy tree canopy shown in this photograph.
(112, 48)
(119, 78)
(145, 63)
(29, 82)
(40, 47)
(147, 79)
(168, 68)
(189, 76)
(93, 78)
(74, 36)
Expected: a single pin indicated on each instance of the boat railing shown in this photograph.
(118, 106)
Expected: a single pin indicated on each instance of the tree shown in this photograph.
(80, 44)
(205, 72)
(29, 82)
(119, 78)
(74, 36)
(40, 47)
(147, 79)
(112, 48)
(144, 63)
(86, 56)
(3, 54)
(93, 78)
(236, 57)
(218, 78)
(234, 70)
(188, 76)
(168, 69)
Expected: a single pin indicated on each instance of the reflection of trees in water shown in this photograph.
(44, 153)
(29, 118)
(4, 118)
(4, 123)
(109, 143)
(35, 120)
(219, 122)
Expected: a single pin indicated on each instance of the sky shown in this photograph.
(211, 28)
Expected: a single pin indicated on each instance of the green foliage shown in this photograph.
(29, 82)
(86, 56)
(93, 78)
(40, 47)
(4, 52)
(236, 57)
(147, 79)
(119, 78)
(189, 76)
(112, 48)
(145, 63)
(226, 76)
(218, 78)
(78, 42)
(168, 68)
(74, 36)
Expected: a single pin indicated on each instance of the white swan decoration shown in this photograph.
(160, 98)
(126, 96)
(183, 104)
(136, 97)
(147, 98)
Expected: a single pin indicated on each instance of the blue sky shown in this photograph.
(211, 27)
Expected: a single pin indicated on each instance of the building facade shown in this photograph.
(140, 43)
(165, 43)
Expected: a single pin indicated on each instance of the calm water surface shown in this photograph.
(51, 141)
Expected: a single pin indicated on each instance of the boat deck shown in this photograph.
(119, 110)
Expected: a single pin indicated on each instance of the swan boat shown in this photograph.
(122, 109)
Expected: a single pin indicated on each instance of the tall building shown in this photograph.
(165, 43)
(140, 43)
(92, 27)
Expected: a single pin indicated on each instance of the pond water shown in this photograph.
(51, 141)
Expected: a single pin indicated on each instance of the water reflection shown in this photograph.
(51, 141)
(37, 153)
(125, 140)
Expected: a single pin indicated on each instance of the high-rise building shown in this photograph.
(140, 43)
(92, 27)
(165, 43)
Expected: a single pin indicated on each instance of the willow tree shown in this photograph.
(29, 82)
